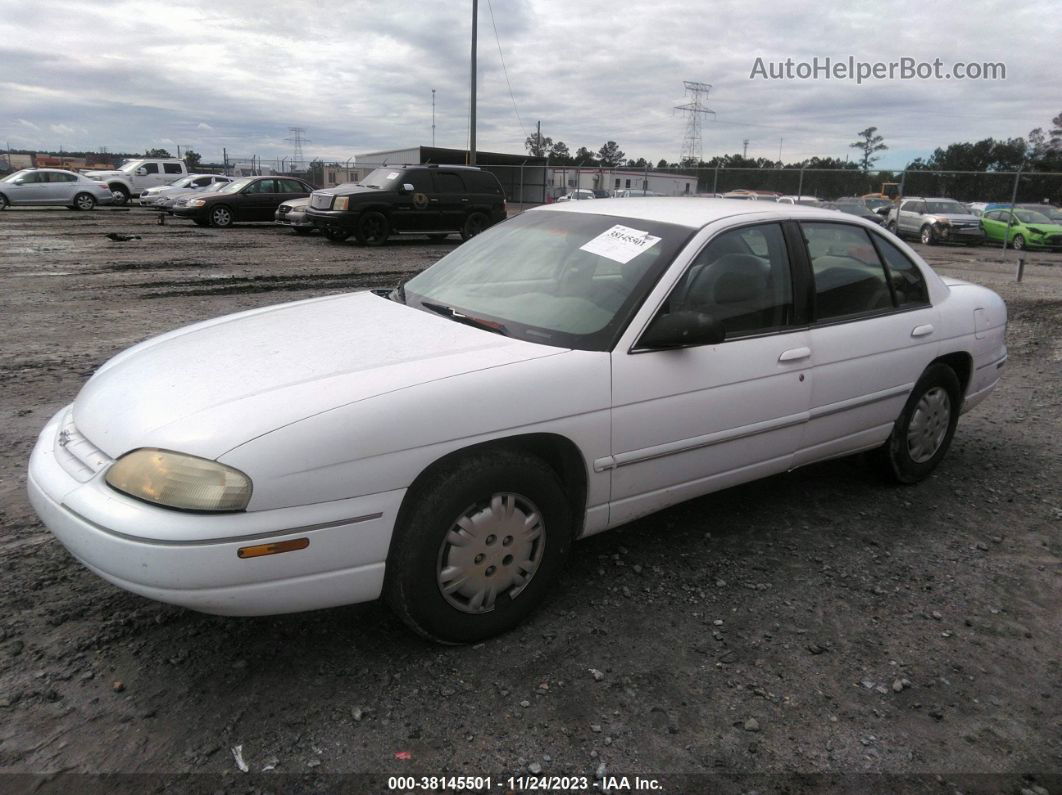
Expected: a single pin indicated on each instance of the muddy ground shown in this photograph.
(818, 622)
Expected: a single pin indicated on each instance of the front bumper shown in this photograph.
(297, 220)
(956, 234)
(336, 219)
(190, 559)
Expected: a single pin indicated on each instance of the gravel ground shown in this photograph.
(818, 622)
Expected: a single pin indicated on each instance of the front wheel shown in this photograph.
(3, 202)
(221, 216)
(928, 238)
(479, 548)
(119, 196)
(84, 201)
(474, 224)
(1018, 243)
(891, 226)
(372, 229)
(335, 234)
(923, 432)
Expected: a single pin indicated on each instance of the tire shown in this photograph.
(474, 224)
(442, 589)
(923, 432)
(221, 216)
(927, 236)
(84, 201)
(438, 236)
(372, 228)
(4, 203)
(335, 234)
(301, 230)
(119, 196)
(891, 226)
(1018, 243)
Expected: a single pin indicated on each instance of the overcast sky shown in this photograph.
(358, 76)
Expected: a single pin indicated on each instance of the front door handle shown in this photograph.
(922, 331)
(795, 354)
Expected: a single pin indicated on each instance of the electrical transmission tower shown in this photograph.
(296, 140)
(696, 109)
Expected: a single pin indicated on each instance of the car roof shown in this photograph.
(692, 212)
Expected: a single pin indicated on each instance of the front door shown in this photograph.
(694, 420)
(258, 201)
(414, 211)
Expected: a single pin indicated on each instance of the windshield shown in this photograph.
(572, 280)
(948, 208)
(380, 178)
(235, 186)
(16, 175)
(131, 166)
(874, 204)
(1031, 217)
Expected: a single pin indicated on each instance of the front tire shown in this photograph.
(221, 216)
(923, 432)
(927, 235)
(479, 547)
(84, 201)
(1018, 243)
(891, 226)
(372, 229)
(119, 196)
(474, 224)
(3, 202)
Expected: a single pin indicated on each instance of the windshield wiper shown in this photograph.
(468, 320)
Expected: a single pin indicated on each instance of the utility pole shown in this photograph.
(745, 149)
(780, 152)
(433, 118)
(538, 134)
(472, 111)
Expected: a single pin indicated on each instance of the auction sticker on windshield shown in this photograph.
(620, 243)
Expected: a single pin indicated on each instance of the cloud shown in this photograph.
(28, 124)
(61, 129)
(204, 126)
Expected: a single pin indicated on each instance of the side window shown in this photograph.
(151, 168)
(202, 181)
(261, 186)
(849, 276)
(446, 182)
(290, 186)
(907, 282)
(742, 279)
(420, 180)
(172, 168)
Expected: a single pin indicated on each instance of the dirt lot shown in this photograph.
(817, 622)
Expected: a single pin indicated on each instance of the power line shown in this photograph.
(504, 70)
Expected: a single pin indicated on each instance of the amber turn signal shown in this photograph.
(272, 549)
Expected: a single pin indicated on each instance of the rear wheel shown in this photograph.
(335, 234)
(474, 224)
(480, 547)
(373, 228)
(84, 201)
(923, 432)
(220, 216)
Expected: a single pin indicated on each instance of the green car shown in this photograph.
(1028, 229)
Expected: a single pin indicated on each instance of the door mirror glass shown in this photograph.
(20, 181)
(141, 172)
(682, 329)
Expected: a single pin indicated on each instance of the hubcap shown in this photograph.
(221, 216)
(929, 425)
(493, 548)
(84, 202)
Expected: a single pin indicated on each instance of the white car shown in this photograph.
(570, 369)
(52, 186)
(807, 201)
(157, 196)
(576, 195)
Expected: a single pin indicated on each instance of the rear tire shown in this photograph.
(373, 228)
(923, 432)
(479, 547)
(474, 224)
(84, 201)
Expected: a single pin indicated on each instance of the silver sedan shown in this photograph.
(39, 186)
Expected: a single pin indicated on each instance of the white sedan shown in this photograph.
(52, 186)
(569, 370)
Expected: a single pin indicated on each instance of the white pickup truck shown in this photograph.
(136, 176)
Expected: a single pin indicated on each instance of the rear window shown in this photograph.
(172, 168)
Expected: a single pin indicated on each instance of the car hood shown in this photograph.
(963, 217)
(354, 190)
(208, 388)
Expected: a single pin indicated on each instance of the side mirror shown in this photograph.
(20, 181)
(140, 172)
(682, 329)
(406, 188)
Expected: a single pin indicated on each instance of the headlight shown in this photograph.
(196, 202)
(176, 480)
(1033, 230)
(341, 203)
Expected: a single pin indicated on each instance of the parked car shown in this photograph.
(1053, 213)
(857, 209)
(752, 195)
(873, 203)
(807, 201)
(158, 196)
(627, 193)
(1027, 229)
(935, 221)
(577, 195)
(245, 199)
(292, 214)
(43, 186)
(410, 200)
(136, 176)
(569, 370)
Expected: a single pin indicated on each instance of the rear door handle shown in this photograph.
(922, 331)
(795, 354)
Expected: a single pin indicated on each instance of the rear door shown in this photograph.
(62, 187)
(450, 200)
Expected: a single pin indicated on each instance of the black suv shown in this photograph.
(420, 200)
